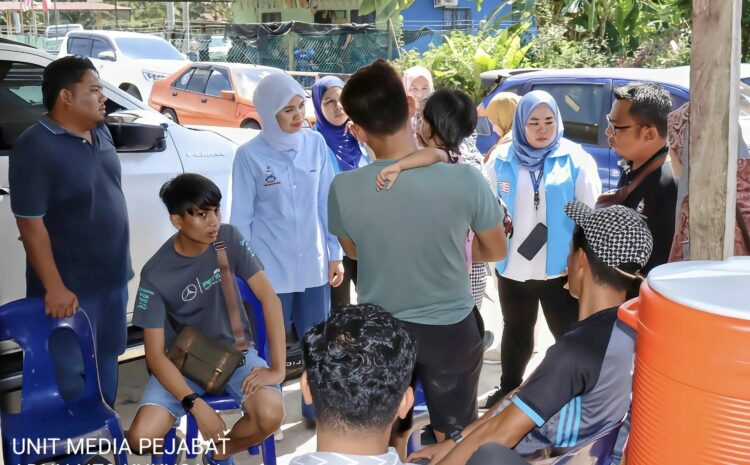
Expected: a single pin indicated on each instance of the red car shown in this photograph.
(213, 94)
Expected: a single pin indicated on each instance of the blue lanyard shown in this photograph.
(536, 181)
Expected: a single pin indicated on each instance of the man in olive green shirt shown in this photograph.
(410, 244)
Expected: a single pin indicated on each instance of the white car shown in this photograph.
(152, 150)
(60, 30)
(129, 60)
(219, 47)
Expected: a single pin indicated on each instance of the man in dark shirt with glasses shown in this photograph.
(637, 131)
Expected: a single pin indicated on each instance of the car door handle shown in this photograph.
(4, 190)
(204, 100)
(174, 94)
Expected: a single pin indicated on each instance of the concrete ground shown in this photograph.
(299, 438)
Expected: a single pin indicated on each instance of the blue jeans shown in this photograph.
(305, 309)
(106, 312)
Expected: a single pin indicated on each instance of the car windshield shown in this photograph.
(247, 79)
(150, 49)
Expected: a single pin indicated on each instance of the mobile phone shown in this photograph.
(534, 242)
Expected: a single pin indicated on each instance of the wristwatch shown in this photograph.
(456, 435)
(189, 401)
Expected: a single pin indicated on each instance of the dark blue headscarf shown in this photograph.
(344, 145)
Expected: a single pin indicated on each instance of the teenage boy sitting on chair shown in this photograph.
(181, 285)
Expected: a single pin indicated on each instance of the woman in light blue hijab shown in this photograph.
(529, 147)
(536, 175)
(280, 182)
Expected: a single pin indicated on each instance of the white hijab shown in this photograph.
(272, 94)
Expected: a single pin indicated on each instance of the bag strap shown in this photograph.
(231, 295)
(743, 227)
(654, 165)
(618, 196)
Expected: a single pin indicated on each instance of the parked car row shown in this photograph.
(152, 70)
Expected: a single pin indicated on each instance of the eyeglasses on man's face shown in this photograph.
(612, 127)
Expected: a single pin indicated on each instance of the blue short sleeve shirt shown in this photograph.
(75, 186)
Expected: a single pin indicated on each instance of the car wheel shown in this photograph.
(250, 124)
(169, 113)
(133, 90)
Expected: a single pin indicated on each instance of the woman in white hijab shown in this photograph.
(280, 182)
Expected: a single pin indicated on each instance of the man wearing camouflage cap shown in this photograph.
(584, 384)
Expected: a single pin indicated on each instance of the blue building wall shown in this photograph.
(441, 20)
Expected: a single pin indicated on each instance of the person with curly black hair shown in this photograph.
(358, 368)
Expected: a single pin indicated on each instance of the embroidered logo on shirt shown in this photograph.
(270, 179)
(244, 243)
(192, 290)
(189, 293)
(504, 186)
(144, 295)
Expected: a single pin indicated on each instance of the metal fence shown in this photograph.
(335, 51)
(330, 52)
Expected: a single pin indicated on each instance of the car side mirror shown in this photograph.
(134, 137)
(106, 55)
(227, 95)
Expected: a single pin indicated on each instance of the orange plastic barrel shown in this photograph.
(691, 387)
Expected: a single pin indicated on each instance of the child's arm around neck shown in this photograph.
(419, 159)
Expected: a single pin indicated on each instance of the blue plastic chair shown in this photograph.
(226, 402)
(420, 409)
(44, 413)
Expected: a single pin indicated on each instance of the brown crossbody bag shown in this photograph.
(619, 196)
(202, 360)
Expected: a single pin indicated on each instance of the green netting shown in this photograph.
(329, 53)
(335, 52)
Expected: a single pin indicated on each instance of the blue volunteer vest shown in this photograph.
(560, 173)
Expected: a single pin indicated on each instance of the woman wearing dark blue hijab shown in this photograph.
(331, 123)
(536, 175)
(346, 154)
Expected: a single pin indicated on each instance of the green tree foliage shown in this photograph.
(636, 32)
(552, 49)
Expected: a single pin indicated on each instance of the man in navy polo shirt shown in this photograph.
(71, 213)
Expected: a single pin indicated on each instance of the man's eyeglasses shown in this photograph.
(614, 128)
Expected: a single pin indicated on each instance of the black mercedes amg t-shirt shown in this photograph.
(187, 290)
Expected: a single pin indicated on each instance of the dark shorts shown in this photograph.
(449, 362)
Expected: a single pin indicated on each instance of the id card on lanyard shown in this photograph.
(536, 180)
